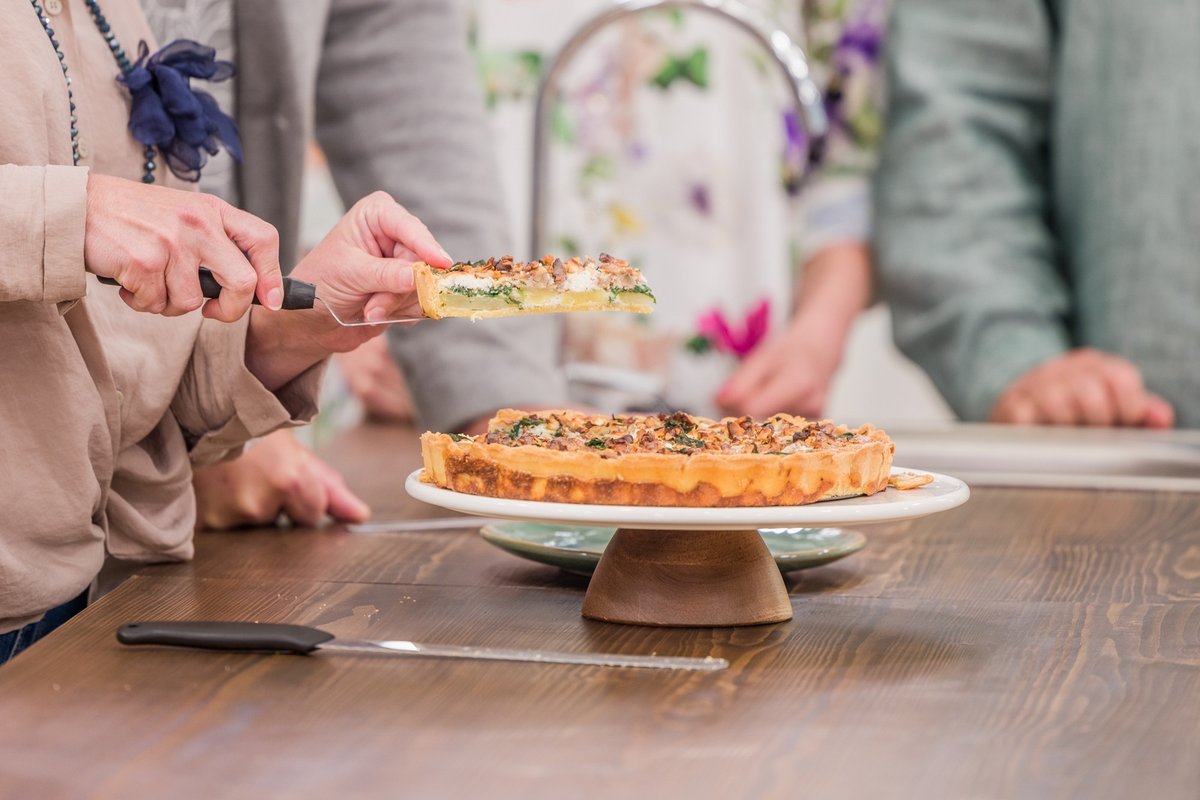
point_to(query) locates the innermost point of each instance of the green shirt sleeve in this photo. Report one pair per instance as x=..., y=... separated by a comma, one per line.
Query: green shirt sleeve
x=965, y=247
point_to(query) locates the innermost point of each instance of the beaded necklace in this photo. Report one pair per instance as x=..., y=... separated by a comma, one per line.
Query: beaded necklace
x=122, y=61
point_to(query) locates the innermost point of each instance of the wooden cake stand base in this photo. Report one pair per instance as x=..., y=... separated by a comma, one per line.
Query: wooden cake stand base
x=696, y=579
x=696, y=567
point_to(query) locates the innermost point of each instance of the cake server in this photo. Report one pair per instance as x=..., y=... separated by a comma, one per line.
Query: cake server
x=297, y=296
x=259, y=637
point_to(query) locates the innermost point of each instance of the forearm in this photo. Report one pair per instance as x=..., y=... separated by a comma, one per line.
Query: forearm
x=834, y=289
x=225, y=398
x=280, y=345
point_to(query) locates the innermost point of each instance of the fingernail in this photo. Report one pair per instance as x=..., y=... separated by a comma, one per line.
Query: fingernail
x=446, y=256
x=375, y=315
x=275, y=299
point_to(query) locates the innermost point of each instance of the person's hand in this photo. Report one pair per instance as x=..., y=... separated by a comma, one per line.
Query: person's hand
x=1083, y=387
x=278, y=475
x=377, y=382
x=362, y=269
x=153, y=240
x=789, y=373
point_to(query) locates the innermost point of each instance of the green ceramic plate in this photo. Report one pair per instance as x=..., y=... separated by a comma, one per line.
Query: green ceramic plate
x=578, y=549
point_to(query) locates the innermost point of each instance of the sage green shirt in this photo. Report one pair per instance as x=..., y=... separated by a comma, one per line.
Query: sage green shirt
x=1040, y=190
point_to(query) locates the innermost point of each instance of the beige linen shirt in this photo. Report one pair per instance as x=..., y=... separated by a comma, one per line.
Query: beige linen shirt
x=104, y=411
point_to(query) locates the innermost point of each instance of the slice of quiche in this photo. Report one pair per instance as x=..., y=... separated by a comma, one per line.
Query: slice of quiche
x=662, y=460
x=502, y=287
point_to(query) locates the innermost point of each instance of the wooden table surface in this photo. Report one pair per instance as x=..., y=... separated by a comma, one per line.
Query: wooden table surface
x=1033, y=643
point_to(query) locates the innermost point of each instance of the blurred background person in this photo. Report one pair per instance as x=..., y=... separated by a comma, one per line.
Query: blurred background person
x=793, y=369
x=386, y=87
x=670, y=145
x=1038, y=219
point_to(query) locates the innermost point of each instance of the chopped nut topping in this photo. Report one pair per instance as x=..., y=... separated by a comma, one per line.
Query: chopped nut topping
x=605, y=273
x=678, y=433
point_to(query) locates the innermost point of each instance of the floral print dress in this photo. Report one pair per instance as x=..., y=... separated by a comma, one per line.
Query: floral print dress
x=673, y=146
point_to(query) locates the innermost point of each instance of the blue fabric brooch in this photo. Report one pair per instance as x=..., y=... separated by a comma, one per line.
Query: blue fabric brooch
x=185, y=124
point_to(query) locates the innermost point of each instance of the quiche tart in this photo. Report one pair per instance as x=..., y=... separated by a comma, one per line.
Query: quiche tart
x=661, y=460
x=503, y=287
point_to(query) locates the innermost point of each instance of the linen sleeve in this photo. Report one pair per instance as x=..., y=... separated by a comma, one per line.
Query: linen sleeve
x=399, y=108
x=220, y=404
x=966, y=253
x=41, y=233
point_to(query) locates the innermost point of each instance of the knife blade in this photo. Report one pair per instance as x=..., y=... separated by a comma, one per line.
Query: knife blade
x=428, y=524
x=260, y=637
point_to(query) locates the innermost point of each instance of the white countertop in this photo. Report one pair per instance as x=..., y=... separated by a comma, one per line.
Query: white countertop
x=1003, y=455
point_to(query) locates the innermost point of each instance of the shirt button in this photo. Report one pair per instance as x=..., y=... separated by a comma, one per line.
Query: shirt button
x=54, y=7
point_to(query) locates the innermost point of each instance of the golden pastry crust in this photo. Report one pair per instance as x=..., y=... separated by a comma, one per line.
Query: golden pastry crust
x=427, y=292
x=909, y=480
x=506, y=287
x=714, y=466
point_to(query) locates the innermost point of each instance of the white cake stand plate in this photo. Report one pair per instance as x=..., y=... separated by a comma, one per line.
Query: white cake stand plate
x=697, y=567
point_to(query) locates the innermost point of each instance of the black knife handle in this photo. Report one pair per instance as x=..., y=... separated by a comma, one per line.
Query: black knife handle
x=242, y=637
x=297, y=294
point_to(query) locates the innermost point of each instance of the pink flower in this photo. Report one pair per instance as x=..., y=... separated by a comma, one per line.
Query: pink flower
x=741, y=341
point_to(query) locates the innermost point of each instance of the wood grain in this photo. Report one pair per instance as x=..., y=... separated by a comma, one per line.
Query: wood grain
x=856, y=697
x=1072, y=545
x=1041, y=644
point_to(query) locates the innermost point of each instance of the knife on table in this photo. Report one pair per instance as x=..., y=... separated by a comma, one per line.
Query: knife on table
x=259, y=637
x=297, y=296
x=426, y=524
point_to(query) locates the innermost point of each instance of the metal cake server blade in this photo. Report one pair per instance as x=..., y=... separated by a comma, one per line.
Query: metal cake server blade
x=259, y=637
x=362, y=323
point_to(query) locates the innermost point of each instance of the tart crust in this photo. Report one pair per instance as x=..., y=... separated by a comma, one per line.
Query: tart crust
x=701, y=478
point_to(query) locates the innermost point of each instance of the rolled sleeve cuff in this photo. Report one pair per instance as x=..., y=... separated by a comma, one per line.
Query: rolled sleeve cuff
x=42, y=224
x=221, y=404
x=65, y=223
x=836, y=211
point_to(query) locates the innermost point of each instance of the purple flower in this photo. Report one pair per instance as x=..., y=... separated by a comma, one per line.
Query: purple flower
x=185, y=124
x=861, y=39
x=795, y=151
x=795, y=139
x=859, y=45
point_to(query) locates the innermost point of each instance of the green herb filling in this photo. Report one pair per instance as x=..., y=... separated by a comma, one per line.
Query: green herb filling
x=501, y=290
x=527, y=422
